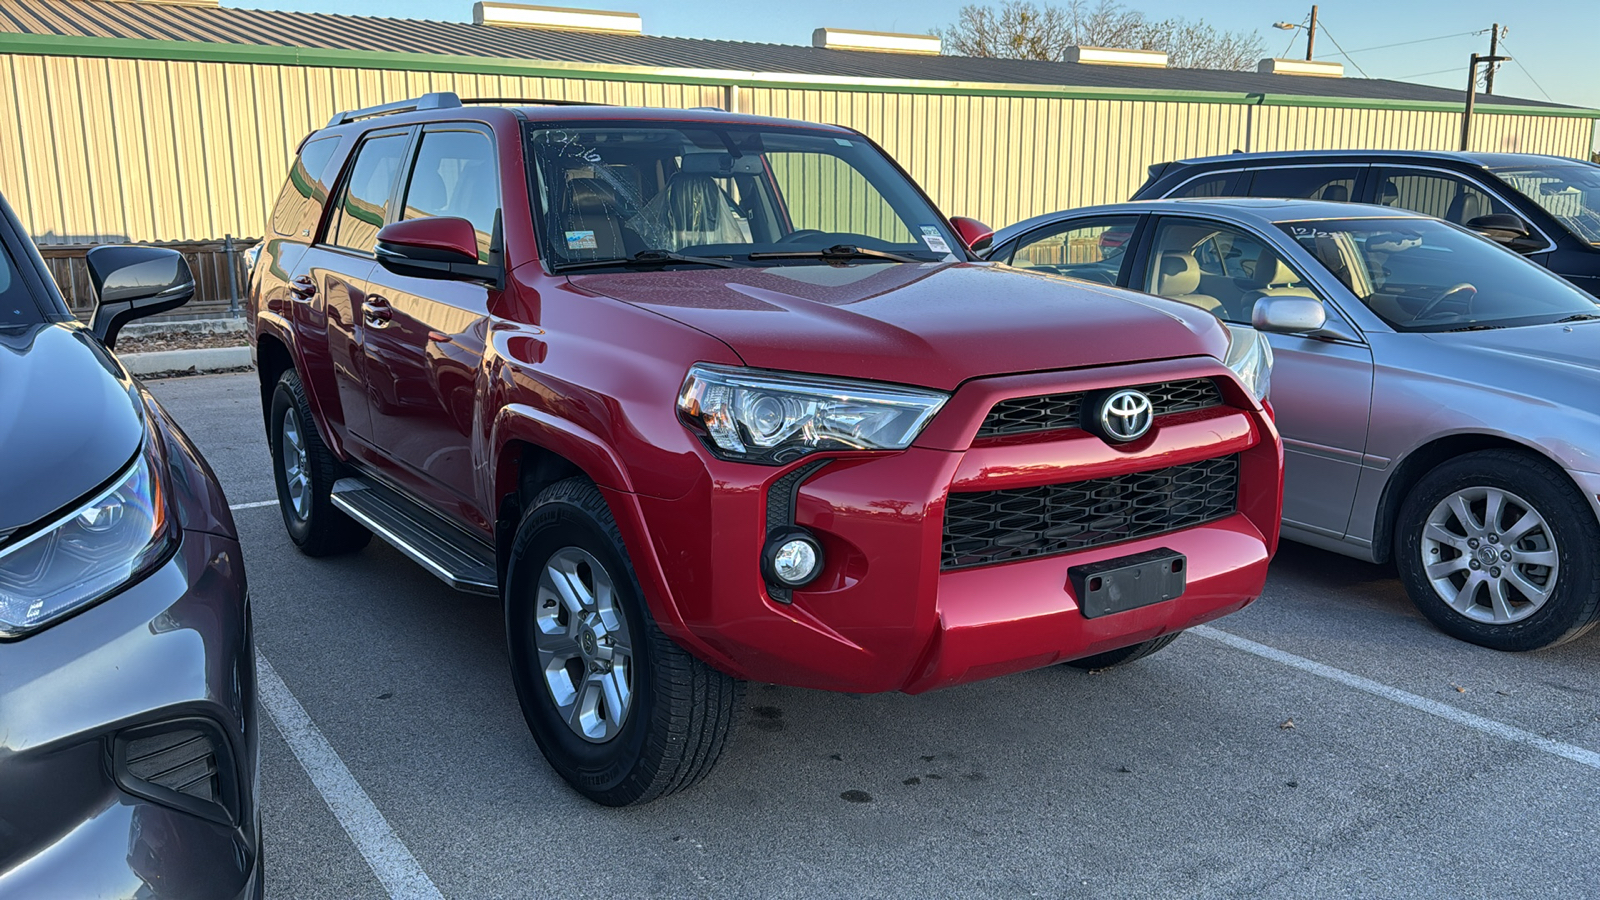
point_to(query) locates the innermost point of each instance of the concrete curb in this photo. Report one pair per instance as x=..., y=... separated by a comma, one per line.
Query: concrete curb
x=208, y=359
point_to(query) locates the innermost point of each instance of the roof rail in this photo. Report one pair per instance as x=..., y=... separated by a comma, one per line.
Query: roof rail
x=436, y=100
x=531, y=101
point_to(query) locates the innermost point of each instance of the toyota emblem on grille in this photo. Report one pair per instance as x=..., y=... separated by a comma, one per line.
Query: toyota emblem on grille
x=1125, y=415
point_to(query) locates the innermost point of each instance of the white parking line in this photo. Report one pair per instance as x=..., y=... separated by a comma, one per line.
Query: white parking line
x=259, y=503
x=383, y=850
x=1444, y=711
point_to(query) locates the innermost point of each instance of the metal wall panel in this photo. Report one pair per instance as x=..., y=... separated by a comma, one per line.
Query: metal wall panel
x=153, y=150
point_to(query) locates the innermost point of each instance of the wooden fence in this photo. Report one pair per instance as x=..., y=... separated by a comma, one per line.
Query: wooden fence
x=210, y=261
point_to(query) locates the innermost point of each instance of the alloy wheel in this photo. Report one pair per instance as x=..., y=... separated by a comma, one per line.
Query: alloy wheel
x=296, y=465
x=1490, y=555
x=585, y=650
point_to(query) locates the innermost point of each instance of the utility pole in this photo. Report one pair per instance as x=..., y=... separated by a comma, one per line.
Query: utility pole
x=1472, y=94
x=1311, y=34
x=1494, y=47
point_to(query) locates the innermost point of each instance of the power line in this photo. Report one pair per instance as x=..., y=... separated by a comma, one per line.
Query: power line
x=1409, y=43
x=1525, y=71
x=1425, y=74
x=1342, y=53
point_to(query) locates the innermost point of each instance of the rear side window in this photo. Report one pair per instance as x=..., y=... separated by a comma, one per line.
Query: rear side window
x=1219, y=185
x=1437, y=194
x=299, y=204
x=1336, y=183
x=455, y=175
x=363, y=205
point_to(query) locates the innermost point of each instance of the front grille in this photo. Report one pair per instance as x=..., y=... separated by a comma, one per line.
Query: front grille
x=1053, y=411
x=988, y=527
x=182, y=761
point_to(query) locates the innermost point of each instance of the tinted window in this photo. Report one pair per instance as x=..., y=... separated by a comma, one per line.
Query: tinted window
x=1208, y=186
x=1570, y=193
x=1218, y=268
x=364, y=201
x=1093, y=249
x=1316, y=182
x=301, y=199
x=1420, y=275
x=1436, y=194
x=455, y=175
x=17, y=306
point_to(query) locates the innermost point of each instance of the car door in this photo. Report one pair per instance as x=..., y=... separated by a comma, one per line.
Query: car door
x=1321, y=388
x=425, y=343
x=331, y=287
x=1090, y=248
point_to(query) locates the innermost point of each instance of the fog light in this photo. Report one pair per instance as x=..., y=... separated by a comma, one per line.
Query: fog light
x=791, y=558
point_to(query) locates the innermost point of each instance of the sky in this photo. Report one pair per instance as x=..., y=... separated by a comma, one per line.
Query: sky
x=1553, y=42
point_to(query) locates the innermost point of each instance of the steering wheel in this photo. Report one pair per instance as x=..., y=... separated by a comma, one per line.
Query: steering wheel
x=1465, y=291
x=800, y=235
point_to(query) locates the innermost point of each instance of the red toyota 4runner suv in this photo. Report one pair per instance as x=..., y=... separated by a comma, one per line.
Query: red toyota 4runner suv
x=708, y=397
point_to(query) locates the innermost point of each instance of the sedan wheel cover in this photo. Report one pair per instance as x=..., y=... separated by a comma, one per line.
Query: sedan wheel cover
x=296, y=471
x=1490, y=555
x=585, y=650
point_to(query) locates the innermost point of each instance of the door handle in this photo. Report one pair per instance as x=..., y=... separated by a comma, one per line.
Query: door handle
x=377, y=312
x=302, y=288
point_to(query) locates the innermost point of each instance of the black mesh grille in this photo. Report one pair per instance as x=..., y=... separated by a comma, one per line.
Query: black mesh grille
x=999, y=526
x=181, y=761
x=1053, y=411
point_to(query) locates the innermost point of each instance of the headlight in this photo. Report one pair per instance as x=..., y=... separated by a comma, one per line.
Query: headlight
x=775, y=417
x=1250, y=358
x=90, y=552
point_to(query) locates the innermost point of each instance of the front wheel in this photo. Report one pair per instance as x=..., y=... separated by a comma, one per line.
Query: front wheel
x=621, y=712
x=1497, y=548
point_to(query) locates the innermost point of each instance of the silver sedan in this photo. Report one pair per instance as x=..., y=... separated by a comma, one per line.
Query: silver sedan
x=1439, y=396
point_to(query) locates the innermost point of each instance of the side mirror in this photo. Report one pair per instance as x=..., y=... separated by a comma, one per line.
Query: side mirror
x=434, y=247
x=1506, y=230
x=1289, y=315
x=973, y=233
x=131, y=282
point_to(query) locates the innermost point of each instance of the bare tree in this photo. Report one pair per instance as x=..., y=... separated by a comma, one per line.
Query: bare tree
x=1021, y=29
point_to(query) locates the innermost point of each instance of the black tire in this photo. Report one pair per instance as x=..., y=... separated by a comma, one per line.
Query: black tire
x=1573, y=604
x=1113, y=658
x=681, y=711
x=315, y=525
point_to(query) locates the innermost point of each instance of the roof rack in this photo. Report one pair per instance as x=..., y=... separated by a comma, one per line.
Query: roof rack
x=531, y=101
x=436, y=100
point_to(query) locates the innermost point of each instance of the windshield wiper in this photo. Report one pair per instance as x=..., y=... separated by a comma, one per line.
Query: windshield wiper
x=1579, y=317
x=647, y=258
x=1476, y=328
x=840, y=252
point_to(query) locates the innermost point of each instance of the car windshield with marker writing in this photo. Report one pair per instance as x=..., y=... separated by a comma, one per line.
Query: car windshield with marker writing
x=1427, y=275
x=640, y=196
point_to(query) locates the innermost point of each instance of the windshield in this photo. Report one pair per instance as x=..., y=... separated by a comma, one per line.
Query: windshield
x=1570, y=193
x=613, y=191
x=17, y=306
x=1426, y=275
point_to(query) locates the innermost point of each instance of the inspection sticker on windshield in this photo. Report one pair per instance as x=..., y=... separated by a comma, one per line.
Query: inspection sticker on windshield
x=581, y=240
x=934, y=240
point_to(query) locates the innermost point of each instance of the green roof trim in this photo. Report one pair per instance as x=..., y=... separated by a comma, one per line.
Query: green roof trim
x=258, y=54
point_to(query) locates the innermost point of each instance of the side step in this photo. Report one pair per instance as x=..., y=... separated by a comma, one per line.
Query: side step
x=460, y=559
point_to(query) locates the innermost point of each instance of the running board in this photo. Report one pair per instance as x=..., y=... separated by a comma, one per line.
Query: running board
x=459, y=559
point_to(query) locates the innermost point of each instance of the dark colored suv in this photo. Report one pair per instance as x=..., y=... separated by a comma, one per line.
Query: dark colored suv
x=127, y=672
x=706, y=397
x=1544, y=207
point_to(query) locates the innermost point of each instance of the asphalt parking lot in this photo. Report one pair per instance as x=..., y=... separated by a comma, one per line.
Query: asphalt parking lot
x=1325, y=742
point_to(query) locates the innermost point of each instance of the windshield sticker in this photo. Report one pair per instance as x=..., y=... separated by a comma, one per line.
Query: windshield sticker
x=842, y=142
x=934, y=240
x=581, y=240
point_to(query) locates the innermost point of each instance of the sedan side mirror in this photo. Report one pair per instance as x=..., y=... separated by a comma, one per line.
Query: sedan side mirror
x=1289, y=315
x=131, y=282
x=1508, y=231
x=435, y=247
x=973, y=233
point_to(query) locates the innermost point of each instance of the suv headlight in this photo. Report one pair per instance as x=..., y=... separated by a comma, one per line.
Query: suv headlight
x=775, y=417
x=90, y=552
x=1250, y=358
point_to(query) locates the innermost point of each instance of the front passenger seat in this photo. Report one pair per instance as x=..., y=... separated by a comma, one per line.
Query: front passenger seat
x=1178, y=277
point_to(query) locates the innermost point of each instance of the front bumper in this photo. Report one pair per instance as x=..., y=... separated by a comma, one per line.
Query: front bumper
x=175, y=647
x=885, y=614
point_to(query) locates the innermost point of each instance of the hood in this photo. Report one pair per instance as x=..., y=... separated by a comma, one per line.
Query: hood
x=68, y=421
x=934, y=325
x=1566, y=351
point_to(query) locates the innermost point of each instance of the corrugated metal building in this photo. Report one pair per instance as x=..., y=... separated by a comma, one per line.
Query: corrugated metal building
x=132, y=120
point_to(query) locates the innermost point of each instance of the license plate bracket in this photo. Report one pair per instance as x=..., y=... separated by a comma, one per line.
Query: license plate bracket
x=1128, y=582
